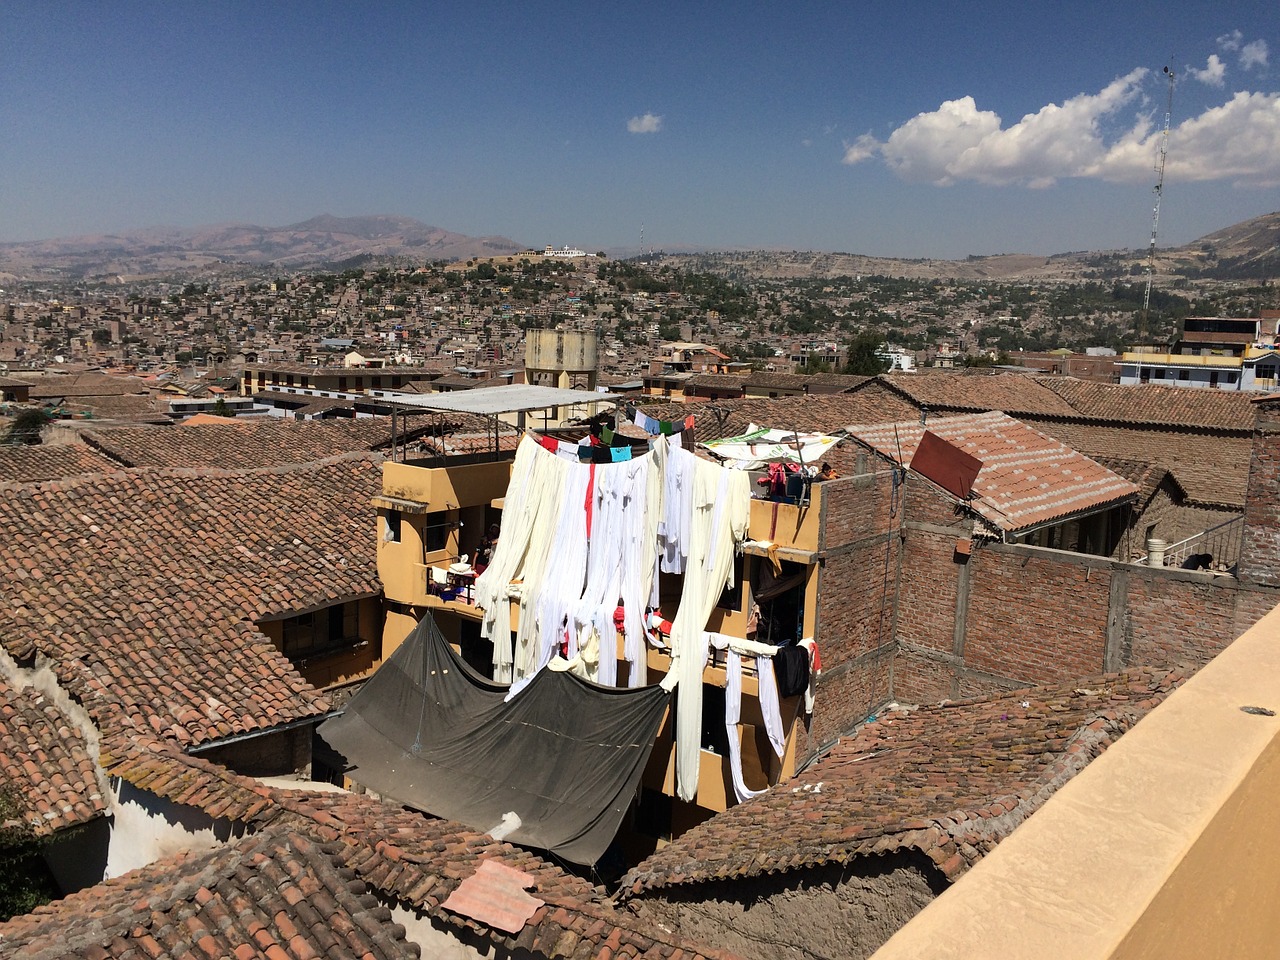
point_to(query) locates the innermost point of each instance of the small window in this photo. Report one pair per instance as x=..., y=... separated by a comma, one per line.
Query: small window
x=392, y=534
x=435, y=533
x=1184, y=374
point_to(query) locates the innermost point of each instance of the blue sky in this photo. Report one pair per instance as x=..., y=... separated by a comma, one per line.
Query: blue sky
x=891, y=129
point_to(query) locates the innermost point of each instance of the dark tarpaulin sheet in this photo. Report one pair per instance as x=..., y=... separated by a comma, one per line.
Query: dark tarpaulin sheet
x=565, y=755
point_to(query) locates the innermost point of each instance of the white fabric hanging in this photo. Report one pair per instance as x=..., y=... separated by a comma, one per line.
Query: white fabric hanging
x=770, y=705
x=719, y=502
x=732, y=715
x=770, y=708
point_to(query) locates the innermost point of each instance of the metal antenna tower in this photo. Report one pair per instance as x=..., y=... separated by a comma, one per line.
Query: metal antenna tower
x=1161, y=154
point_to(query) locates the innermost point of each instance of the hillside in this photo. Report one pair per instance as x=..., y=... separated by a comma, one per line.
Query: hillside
x=1244, y=251
x=321, y=240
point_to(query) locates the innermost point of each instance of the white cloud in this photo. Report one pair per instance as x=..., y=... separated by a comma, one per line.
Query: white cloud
x=1254, y=54
x=647, y=123
x=1214, y=71
x=864, y=148
x=1237, y=141
x=1230, y=42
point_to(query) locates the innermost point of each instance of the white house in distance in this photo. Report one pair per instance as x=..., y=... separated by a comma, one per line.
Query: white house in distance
x=563, y=253
x=1225, y=353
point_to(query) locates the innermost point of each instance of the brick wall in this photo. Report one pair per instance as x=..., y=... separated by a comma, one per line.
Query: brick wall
x=1260, y=556
x=902, y=615
x=1034, y=615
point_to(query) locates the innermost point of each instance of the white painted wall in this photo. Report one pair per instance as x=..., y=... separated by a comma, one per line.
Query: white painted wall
x=147, y=828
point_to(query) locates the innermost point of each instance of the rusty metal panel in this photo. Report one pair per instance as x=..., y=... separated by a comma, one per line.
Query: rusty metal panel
x=946, y=465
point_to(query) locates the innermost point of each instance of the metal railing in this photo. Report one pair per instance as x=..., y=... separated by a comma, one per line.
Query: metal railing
x=1221, y=542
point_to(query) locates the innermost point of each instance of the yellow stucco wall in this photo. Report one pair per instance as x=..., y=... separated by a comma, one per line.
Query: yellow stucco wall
x=1164, y=847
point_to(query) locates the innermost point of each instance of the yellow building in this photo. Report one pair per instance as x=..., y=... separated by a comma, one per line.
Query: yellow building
x=432, y=517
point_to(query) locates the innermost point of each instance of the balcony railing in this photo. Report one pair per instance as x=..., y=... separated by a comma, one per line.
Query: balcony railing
x=1221, y=542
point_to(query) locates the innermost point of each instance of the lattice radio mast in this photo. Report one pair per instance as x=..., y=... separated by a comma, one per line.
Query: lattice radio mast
x=1161, y=154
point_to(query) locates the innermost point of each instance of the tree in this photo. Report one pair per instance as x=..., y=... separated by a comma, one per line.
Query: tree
x=27, y=427
x=25, y=881
x=864, y=356
x=220, y=409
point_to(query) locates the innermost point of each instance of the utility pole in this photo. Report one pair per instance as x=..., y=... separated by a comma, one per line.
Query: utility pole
x=1161, y=154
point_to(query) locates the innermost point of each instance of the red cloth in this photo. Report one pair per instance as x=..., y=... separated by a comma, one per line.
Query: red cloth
x=591, y=495
x=549, y=443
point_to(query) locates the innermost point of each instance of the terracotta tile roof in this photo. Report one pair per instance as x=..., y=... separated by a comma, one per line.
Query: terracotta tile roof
x=1202, y=435
x=27, y=463
x=719, y=381
x=260, y=443
x=1026, y=479
x=1180, y=406
x=1213, y=468
x=45, y=761
x=56, y=386
x=143, y=586
x=764, y=379
x=277, y=894
x=127, y=407
x=833, y=382
x=950, y=781
x=407, y=856
x=1011, y=393
x=1024, y=396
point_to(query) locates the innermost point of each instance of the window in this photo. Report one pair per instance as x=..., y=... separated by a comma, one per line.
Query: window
x=392, y=534
x=321, y=631
x=1184, y=374
x=1213, y=378
x=435, y=533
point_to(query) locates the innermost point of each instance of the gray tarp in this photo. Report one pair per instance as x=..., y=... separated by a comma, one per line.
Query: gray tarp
x=565, y=755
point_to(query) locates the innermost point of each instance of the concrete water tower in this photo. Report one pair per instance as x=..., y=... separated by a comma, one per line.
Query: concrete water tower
x=561, y=358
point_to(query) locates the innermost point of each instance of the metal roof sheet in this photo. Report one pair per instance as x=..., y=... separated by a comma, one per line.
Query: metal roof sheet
x=488, y=401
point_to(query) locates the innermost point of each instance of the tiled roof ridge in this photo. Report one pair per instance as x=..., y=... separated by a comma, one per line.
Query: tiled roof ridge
x=128, y=470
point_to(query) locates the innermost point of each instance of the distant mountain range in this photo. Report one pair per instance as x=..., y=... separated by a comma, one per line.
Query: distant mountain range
x=1245, y=251
x=322, y=240
x=1248, y=250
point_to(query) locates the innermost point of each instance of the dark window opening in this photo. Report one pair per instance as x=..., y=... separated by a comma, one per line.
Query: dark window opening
x=393, y=526
x=321, y=631
x=435, y=533
x=477, y=652
x=653, y=814
x=731, y=597
x=780, y=596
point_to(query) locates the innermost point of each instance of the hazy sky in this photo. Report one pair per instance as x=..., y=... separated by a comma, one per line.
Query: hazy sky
x=902, y=129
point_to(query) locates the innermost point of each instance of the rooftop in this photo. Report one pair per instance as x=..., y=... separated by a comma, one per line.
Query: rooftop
x=22, y=463
x=46, y=762
x=143, y=586
x=1026, y=478
x=950, y=781
x=489, y=401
